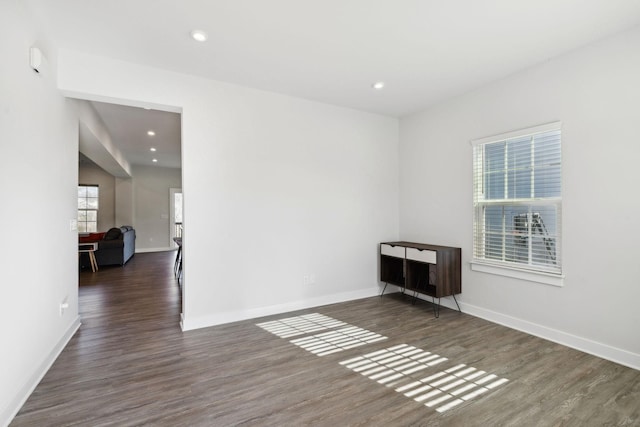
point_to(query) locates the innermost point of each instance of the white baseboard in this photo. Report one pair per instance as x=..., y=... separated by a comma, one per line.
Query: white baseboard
x=188, y=324
x=617, y=355
x=10, y=411
x=163, y=249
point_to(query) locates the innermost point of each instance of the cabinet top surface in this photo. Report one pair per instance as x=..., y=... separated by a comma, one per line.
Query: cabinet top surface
x=420, y=246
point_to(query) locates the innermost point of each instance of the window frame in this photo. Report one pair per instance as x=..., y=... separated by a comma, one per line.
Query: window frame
x=525, y=271
x=79, y=209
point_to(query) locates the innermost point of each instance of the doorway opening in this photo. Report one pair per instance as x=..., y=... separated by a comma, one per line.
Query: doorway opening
x=137, y=152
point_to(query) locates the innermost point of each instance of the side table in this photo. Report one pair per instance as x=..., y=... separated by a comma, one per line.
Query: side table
x=89, y=248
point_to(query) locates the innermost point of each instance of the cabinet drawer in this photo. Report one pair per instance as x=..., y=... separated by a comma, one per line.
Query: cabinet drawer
x=422, y=256
x=395, y=251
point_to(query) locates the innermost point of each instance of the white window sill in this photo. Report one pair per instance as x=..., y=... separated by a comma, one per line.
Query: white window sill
x=531, y=276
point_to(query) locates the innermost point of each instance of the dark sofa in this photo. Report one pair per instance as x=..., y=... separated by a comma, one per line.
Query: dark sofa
x=116, y=247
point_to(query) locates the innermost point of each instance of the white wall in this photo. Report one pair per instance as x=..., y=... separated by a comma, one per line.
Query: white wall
x=151, y=186
x=275, y=188
x=595, y=93
x=124, y=201
x=90, y=174
x=38, y=178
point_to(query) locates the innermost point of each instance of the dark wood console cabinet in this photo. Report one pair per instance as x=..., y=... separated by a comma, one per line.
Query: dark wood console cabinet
x=426, y=269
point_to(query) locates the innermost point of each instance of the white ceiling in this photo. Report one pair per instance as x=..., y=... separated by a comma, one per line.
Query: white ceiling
x=128, y=127
x=333, y=50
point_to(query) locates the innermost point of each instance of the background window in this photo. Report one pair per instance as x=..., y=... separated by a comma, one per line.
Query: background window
x=517, y=199
x=87, y=208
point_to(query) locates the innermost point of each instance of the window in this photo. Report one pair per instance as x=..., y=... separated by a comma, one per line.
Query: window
x=517, y=200
x=87, y=208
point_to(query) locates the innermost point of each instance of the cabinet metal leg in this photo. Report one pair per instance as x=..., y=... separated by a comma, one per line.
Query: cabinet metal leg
x=383, y=289
x=436, y=307
x=458, y=305
x=415, y=297
x=402, y=288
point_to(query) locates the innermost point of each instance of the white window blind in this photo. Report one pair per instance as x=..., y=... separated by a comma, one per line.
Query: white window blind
x=517, y=199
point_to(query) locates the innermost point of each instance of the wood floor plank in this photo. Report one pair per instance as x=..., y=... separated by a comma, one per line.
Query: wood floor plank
x=130, y=364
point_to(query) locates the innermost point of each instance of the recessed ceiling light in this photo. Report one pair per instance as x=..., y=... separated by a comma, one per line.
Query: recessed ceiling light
x=151, y=133
x=152, y=149
x=378, y=85
x=199, y=35
x=155, y=160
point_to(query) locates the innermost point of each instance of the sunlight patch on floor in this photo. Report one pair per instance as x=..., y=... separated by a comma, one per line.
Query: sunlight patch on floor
x=400, y=367
x=300, y=325
x=341, y=336
x=338, y=340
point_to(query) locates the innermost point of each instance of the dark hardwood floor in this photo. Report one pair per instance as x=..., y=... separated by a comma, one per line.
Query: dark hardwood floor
x=130, y=364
